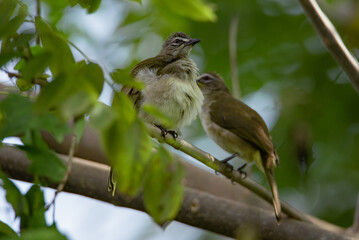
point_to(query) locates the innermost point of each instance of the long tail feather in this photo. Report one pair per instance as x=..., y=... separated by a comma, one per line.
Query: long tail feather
x=274, y=189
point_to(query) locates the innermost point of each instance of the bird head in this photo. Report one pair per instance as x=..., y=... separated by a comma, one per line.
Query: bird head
x=210, y=83
x=178, y=45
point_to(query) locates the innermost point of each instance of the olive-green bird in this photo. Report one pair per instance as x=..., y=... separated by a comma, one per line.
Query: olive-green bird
x=238, y=129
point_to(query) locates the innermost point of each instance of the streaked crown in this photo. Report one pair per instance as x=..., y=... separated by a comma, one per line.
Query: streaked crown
x=178, y=45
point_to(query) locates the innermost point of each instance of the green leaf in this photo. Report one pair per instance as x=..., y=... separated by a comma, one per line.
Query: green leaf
x=79, y=128
x=122, y=76
x=36, y=217
x=76, y=104
x=128, y=146
x=36, y=65
x=44, y=163
x=54, y=43
x=7, y=231
x=155, y=112
x=42, y=234
x=14, y=197
x=23, y=85
x=51, y=123
x=102, y=116
x=17, y=115
x=90, y=5
x=9, y=24
x=196, y=10
x=163, y=191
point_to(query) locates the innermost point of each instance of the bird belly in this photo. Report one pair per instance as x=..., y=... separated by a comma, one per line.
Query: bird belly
x=180, y=100
x=229, y=141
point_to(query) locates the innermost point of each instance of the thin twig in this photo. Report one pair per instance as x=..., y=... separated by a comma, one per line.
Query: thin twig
x=332, y=41
x=42, y=81
x=235, y=176
x=79, y=50
x=63, y=182
x=38, y=14
x=233, y=55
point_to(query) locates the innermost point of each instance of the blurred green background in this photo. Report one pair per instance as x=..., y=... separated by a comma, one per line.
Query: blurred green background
x=285, y=73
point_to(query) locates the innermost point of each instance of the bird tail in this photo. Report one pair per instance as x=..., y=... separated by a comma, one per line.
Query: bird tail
x=274, y=189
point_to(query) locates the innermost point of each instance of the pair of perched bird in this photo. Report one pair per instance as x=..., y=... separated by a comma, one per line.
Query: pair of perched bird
x=173, y=86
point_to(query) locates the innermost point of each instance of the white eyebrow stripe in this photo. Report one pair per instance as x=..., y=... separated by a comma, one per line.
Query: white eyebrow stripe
x=181, y=38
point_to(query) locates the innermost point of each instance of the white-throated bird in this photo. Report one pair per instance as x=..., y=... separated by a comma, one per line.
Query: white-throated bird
x=238, y=129
x=170, y=86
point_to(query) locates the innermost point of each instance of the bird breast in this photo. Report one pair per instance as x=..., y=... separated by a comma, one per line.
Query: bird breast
x=226, y=139
x=176, y=95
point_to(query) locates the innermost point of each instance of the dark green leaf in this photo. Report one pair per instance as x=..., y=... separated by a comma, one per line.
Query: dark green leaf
x=76, y=104
x=8, y=24
x=17, y=115
x=7, y=231
x=14, y=197
x=90, y=5
x=36, y=217
x=44, y=163
x=51, y=123
x=36, y=65
x=163, y=191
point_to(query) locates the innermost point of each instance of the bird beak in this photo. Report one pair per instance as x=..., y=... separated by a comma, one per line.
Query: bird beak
x=192, y=42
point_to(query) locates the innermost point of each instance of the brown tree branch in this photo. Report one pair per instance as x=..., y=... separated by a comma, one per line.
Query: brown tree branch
x=199, y=209
x=332, y=41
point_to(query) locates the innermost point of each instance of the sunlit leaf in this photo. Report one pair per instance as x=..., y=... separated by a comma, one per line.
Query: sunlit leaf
x=156, y=113
x=128, y=146
x=122, y=76
x=6, y=231
x=44, y=163
x=55, y=44
x=163, y=191
x=42, y=234
x=197, y=10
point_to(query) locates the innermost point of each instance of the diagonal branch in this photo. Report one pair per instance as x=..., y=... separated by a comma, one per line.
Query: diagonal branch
x=332, y=41
x=199, y=209
x=235, y=176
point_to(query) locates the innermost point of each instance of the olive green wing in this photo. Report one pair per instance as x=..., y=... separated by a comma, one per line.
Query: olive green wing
x=243, y=121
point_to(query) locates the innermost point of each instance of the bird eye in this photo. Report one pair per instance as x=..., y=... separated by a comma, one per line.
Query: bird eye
x=206, y=77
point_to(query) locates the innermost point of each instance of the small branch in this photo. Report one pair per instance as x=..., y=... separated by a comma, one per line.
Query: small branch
x=38, y=14
x=233, y=56
x=332, y=41
x=64, y=180
x=235, y=176
x=42, y=81
x=198, y=209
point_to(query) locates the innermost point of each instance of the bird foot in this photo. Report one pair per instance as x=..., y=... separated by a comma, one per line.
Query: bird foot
x=164, y=132
x=173, y=133
x=241, y=172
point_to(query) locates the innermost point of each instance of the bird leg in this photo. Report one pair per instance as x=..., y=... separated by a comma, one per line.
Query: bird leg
x=227, y=159
x=163, y=130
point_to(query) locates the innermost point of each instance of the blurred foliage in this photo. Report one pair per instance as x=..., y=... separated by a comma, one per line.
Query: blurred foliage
x=279, y=53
